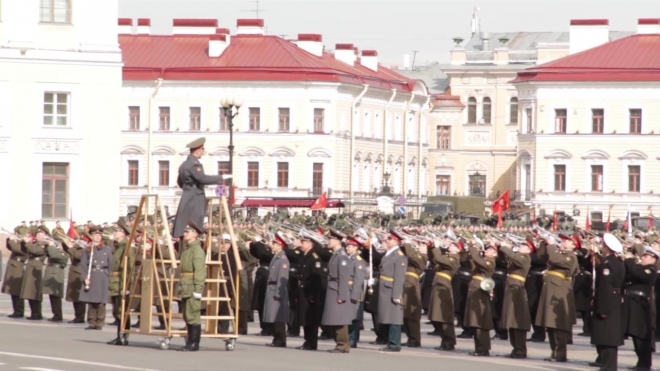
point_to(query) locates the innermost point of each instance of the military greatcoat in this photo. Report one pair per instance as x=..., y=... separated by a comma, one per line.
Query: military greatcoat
x=555, y=306
x=13, y=282
x=99, y=278
x=478, y=311
x=310, y=271
x=358, y=274
x=33, y=279
x=515, y=307
x=192, y=206
x=441, y=308
x=390, y=287
x=637, y=304
x=339, y=275
x=75, y=279
x=607, y=322
x=276, y=301
x=54, y=274
x=412, y=295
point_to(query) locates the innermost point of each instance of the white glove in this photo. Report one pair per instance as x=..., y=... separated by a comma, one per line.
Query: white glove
x=127, y=292
x=197, y=295
x=371, y=282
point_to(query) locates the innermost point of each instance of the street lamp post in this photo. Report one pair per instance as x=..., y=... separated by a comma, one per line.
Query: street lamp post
x=228, y=103
x=386, y=187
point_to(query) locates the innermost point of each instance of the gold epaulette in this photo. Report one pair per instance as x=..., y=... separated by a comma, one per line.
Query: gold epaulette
x=359, y=258
x=315, y=256
x=400, y=253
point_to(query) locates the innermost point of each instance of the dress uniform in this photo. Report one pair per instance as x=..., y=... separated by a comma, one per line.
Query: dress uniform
x=53, y=283
x=554, y=309
x=515, y=314
x=13, y=280
x=276, y=300
x=373, y=257
x=309, y=276
x=116, y=290
x=637, y=305
x=534, y=285
x=192, y=180
x=390, y=289
x=607, y=334
x=441, y=308
x=337, y=311
x=359, y=275
x=478, y=310
x=99, y=258
x=460, y=285
x=412, y=295
x=75, y=282
x=264, y=255
x=583, y=286
x=191, y=284
x=33, y=278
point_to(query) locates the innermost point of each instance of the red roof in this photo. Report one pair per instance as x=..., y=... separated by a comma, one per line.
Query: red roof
x=632, y=58
x=287, y=203
x=247, y=58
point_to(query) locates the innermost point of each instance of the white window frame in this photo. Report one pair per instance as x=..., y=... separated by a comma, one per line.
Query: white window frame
x=69, y=11
x=55, y=115
x=244, y=172
x=133, y=157
x=510, y=96
x=525, y=105
x=522, y=186
x=448, y=173
x=144, y=111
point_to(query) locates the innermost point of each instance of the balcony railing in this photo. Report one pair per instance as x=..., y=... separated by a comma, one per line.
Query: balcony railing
x=525, y=195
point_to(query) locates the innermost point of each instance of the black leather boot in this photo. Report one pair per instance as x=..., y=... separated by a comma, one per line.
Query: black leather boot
x=196, y=335
x=189, y=340
x=119, y=339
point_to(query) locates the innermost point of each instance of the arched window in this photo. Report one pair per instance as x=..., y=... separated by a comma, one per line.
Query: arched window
x=513, y=109
x=486, y=110
x=472, y=110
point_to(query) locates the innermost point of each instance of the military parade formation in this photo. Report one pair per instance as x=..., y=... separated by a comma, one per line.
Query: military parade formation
x=321, y=274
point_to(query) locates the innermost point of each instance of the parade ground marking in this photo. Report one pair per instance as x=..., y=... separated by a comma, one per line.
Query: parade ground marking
x=70, y=360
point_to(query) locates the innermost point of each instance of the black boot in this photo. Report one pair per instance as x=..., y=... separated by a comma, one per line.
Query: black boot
x=197, y=335
x=189, y=339
x=120, y=339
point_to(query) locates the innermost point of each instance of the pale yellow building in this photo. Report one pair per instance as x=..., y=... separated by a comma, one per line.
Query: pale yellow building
x=589, y=140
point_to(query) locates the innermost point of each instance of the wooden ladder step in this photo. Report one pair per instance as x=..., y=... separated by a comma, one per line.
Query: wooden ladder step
x=216, y=280
x=210, y=298
x=219, y=317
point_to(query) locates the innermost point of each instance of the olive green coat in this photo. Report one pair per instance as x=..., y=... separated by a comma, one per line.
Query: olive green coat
x=13, y=282
x=478, y=311
x=75, y=280
x=411, y=299
x=32, y=281
x=54, y=275
x=515, y=307
x=193, y=260
x=117, y=271
x=555, y=305
x=441, y=308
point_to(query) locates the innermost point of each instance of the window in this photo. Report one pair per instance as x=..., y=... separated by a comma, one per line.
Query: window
x=133, y=172
x=224, y=122
x=596, y=178
x=597, y=121
x=477, y=184
x=319, y=114
x=530, y=120
x=317, y=179
x=485, y=110
x=56, y=109
x=472, y=110
x=55, y=11
x=164, y=115
x=253, y=174
x=282, y=174
x=442, y=185
x=634, y=178
x=560, y=121
x=164, y=173
x=255, y=118
x=513, y=111
x=560, y=178
x=596, y=216
x=55, y=190
x=134, y=118
x=223, y=169
x=284, y=119
x=195, y=118
x=444, y=137
x=635, y=121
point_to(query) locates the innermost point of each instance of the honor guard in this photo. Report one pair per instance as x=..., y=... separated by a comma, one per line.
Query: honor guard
x=390, y=290
x=515, y=313
x=338, y=311
x=53, y=283
x=191, y=284
x=96, y=265
x=75, y=280
x=478, y=312
x=13, y=280
x=441, y=309
x=33, y=278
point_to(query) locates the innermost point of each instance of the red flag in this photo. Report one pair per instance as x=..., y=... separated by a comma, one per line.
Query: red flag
x=320, y=203
x=502, y=203
x=555, y=221
x=626, y=223
x=499, y=219
x=607, y=225
x=72, y=231
x=587, y=224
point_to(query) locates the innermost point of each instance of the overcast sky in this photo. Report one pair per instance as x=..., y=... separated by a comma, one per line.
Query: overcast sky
x=394, y=28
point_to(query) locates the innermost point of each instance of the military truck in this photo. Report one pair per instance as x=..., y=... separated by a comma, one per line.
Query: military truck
x=471, y=205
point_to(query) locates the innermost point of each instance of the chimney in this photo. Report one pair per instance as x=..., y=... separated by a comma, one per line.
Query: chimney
x=144, y=26
x=345, y=53
x=370, y=59
x=485, y=41
x=588, y=33
x=648, y=26
x=311, y=43
x=125, y=26
x=217, y=45
x=250, y=27
x=194, y=26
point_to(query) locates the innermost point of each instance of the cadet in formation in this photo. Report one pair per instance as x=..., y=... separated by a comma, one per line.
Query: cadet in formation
x=191, y=284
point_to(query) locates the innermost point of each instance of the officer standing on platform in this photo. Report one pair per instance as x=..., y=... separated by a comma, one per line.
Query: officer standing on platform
x=390, y=290
x=337, y=311
x=191, y=284
x=607, y=334
x=192, y=180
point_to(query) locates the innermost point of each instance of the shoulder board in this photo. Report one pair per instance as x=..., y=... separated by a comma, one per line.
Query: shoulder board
x=359, y=258
x=297, y=251
x=399, y=252
x=315, y=256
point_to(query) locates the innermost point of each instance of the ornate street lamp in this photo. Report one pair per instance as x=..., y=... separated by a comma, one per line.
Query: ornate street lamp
x=386, y=188
x=228, y=103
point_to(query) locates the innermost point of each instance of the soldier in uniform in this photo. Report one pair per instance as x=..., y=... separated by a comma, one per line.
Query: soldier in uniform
x=264, y=255
x=310, y=273
x=441, y=309
x=53, y=283
x=191, y=284
x=33, y=278
x=478, y=311
x=583, y=286
x=390, y=289
x=460, y=284
x=607, y=334
x=358, y=275
x=412, y=295
x=13, y=281
x=515, y=313
x=534, y=285
x=337, y=311
x=276, y=300
x=75, y=281
x=116, y=290
x=554, y=309
x=192, y=180
x=637, y=304
x=97, y=280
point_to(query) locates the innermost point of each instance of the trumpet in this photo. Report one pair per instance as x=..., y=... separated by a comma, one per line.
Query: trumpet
x=14, y=234
x=547, y=234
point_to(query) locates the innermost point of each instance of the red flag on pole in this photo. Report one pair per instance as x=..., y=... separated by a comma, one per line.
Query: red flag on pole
x=320, y=203
x=72, y=231
x=503, y=203
x=587, y=224
x=499, y=219
x=607, y=225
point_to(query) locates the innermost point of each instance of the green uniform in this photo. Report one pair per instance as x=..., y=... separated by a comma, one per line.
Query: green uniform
x=193, y=277
x=116, y=276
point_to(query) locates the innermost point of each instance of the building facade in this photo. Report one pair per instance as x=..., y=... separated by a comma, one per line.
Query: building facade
x=475, y=124
x=60, y=95
x=589, y=142
x=311, y=121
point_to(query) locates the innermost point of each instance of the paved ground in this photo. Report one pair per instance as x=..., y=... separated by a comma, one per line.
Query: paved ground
x=43, y=346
